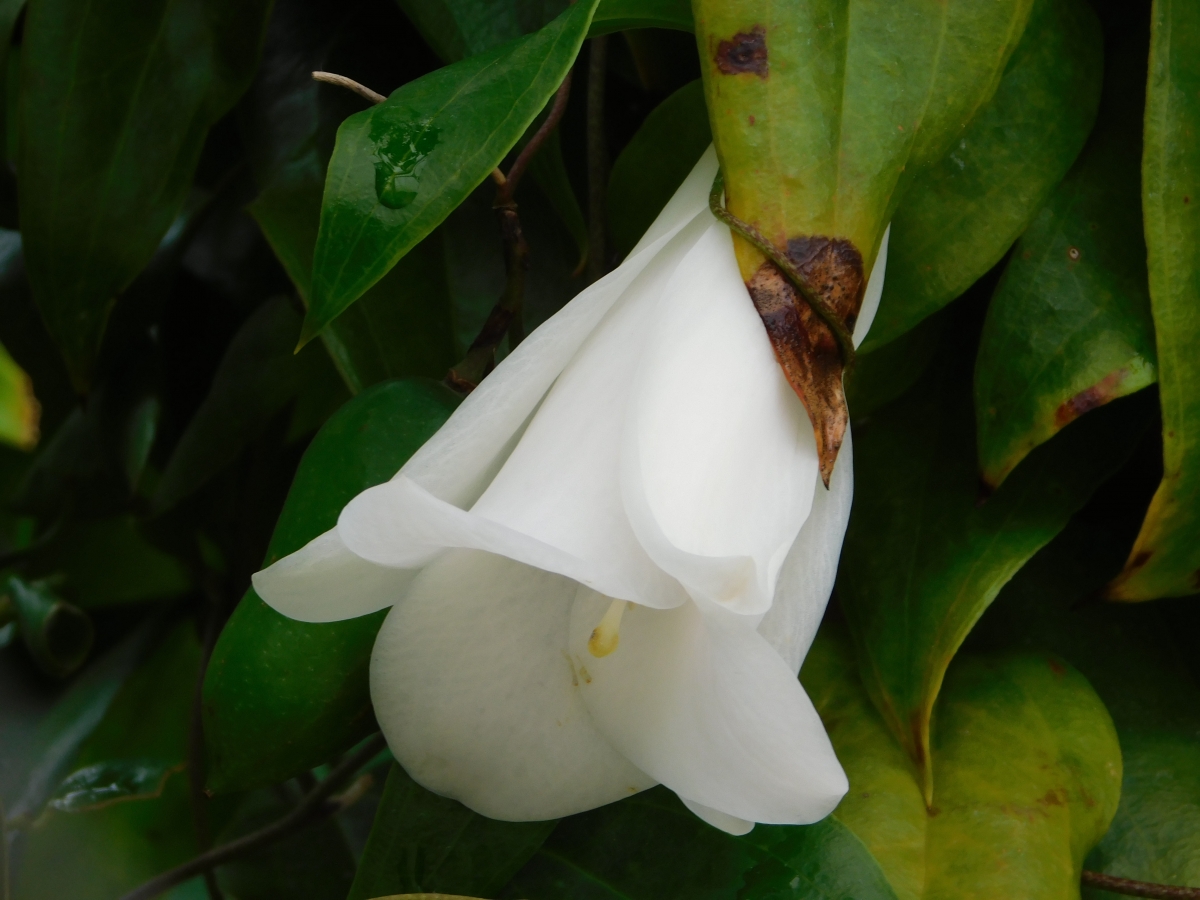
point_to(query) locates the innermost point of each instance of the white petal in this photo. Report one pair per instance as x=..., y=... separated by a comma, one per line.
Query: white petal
x=717, y=819
x=701, y=702
x=807, y=577
x=720, y=462
x=457, y=463
x=324, y=582
x=874, y=291
x=561, y=483
x=475, y=692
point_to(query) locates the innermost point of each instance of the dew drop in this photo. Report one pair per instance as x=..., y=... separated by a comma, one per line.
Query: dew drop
x=400, y=155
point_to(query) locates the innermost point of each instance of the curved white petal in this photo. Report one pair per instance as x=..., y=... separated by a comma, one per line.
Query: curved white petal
x=807, y=577
x=717, y=819
x=701, y=702
x=457, y=463
x=324, y=582
x=720, y=462
x=874, y=291
x=475, y=692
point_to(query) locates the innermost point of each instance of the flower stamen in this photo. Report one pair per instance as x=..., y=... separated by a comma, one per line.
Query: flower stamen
x=607, y=634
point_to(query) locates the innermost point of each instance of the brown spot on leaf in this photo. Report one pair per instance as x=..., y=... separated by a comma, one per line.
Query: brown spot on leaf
x=1089, y=398
x=1140, y=560
x=805, y=346
x=751, y=120
x=1053, y=798
x=1057, y=668
x=744, y=54
x=1195, y=579
x=934, y=811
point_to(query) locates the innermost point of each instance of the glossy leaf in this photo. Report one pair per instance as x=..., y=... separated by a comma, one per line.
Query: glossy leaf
x=1132, y=658
x=1028, y=772
x=650, y=847
x=399, y=168
x=655, y=162
x=258, y=378
x=401, y=326
x=924, y=557
x=116, y=101
x=282, y=696
x=1165, y=560
x=19, y=411
x=422, y=842
x=101, y=784
x=962, y=214
x=115, y=847
x=1069, y=326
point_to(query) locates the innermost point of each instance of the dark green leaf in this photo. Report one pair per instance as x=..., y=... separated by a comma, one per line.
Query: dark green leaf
x=1069, y=326
x=116, y=846
x=116, y=100
x=923, y=557
x=650, y=847
x=101, y=784
x=1165, y=560
x=1027, y=770
x=1130, y=655
x=399, y=168
x=421, y=842
x=314, y=864
x=960, y=216
x=622, y=15
x=282, y=696
x=879, y=378
x=655, y=162
x=259, y=376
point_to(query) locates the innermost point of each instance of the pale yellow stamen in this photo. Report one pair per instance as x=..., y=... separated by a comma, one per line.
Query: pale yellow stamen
x=607, y=634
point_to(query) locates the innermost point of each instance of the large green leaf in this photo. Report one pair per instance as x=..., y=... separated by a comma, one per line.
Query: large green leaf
x=401, y=326
x=259, y=377
x=399, y=168
x=1028, y=776
x=424, y=843
x=655, y=162
x=1165, y=560
x=1131, y=657
x=116, y=100
x=923, y=557
x=114, y=847
x=282, y=696
x=622, y=15
x=1069, y=326
x=650, y=847
x=962, y=214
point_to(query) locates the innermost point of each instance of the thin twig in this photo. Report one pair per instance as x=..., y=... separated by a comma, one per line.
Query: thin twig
x=349, y=84
x=1131, y=888
x=597, y=157
x=756, y=238
x=313, y=807
x=521, y=163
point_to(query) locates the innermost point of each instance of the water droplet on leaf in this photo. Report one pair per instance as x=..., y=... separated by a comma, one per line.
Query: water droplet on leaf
x=400, y=154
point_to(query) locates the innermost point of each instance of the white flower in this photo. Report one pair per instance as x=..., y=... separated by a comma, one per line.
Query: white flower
x=606, y=568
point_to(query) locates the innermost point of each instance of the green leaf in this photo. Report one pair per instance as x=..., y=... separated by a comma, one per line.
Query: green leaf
x=115, y=847
x=107, y=562
x=924, y=558
x=314, y=864
x=258, y=377
x=75, y=716
x=282, y=696
x=116, y=101
x=813, y=140
x=399, y=168
x=1069, y=326
x=622, y=15
x=961, y=215
x=422, y=842
x=401, y=326
x=1028, y=774
x=101, y=784
x=655, y=162
x=1130, y=655
x=19, y=411
x=879, y=378
x=650, y=847
x=1165, y=558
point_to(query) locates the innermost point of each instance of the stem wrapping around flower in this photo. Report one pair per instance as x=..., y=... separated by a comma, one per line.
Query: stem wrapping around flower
x=757, y=239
